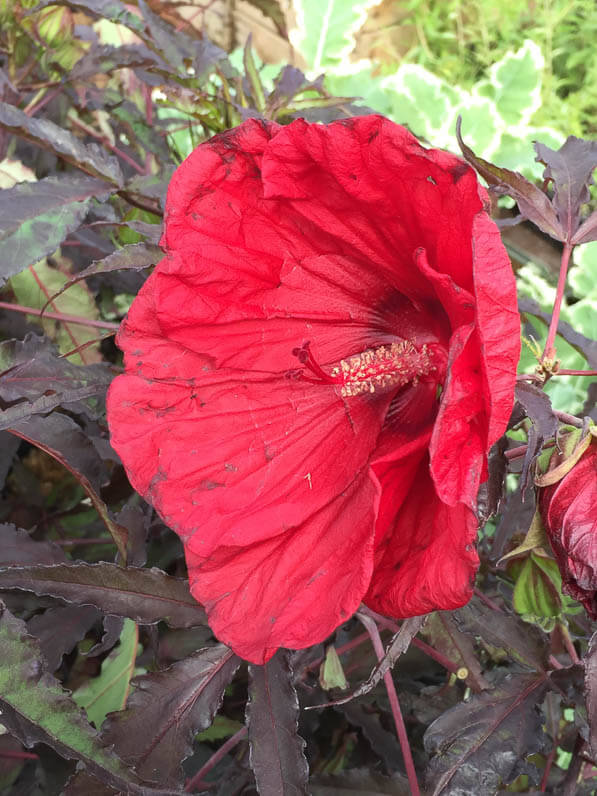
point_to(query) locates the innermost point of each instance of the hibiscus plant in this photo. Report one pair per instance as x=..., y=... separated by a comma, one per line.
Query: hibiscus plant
x=285, y=508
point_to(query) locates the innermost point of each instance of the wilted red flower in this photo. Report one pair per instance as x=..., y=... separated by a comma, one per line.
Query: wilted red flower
x=314, y=375
x=569, y=513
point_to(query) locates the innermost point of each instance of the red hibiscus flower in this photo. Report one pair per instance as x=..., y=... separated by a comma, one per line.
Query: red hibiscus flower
x=314, y=375
x=568, y=512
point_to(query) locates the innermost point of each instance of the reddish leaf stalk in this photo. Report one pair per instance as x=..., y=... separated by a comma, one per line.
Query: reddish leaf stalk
x=59, y=316
x=18, y=755
x=388, y=624
x=565, y=372
x=373, y=630
x=548, y=765
x=549, y=350
x=487, y=600
x=44, y=290
x=108, y=144
x=196, y=781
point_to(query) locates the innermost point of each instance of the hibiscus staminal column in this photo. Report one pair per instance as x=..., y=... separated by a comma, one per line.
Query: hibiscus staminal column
x=301, y=492
x=375, y=370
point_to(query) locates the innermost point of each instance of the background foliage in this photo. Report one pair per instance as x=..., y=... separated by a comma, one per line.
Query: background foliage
x=110, y=680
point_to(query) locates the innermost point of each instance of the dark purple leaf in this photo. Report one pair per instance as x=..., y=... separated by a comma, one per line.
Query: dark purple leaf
x=154, y=733
x=90, y=158
x=153, y=186
x=531, y=201
x=17, y=548
x=515, y=520
x=276, y=748
x=59, y=629
x=590, y=662
x=442, y=633
x=492, y=491
x=485, y=741
x=544, y=425
x=34, y=379
x=64, y=440
x=584, y=345
x=134, y=257
x=8, y=447
x=521, y=640
x=113, y=626
x=384, y=744
x=587, y=230
x=36, y=709
x=355, y=781
x=145, y=595
x=82, y=783
x=35, y=218
x=570, y=168
x=106, y=59
x=113, y=10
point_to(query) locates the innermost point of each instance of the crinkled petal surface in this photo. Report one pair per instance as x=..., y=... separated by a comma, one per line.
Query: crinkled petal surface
x=570, y=518
x=294, y=256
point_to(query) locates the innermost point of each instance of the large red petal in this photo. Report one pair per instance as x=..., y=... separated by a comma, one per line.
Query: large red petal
x=295, y=589
x=428, y=560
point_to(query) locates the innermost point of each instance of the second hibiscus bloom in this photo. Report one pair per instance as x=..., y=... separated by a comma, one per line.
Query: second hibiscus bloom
x=315, y=374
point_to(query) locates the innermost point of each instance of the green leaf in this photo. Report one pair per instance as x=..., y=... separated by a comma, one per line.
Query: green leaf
x=109, y=691
x=331, y=673
x=537, y=595
x=36, y=709
x=325, y=29
x=222, y=727
x=40, y=286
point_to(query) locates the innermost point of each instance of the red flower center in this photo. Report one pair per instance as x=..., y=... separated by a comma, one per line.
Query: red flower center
x=375, y=370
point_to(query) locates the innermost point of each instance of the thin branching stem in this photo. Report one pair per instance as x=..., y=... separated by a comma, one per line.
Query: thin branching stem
x=373, y=630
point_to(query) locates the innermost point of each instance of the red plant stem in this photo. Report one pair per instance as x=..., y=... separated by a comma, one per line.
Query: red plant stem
x=59, y=316
x=554, y=662
x=548, y=765
x=488, y=601
x=564, y=372
x=83, y=346
x=196, y=781
x=388, y=624
x=549, y=350
x=44, y=290
x=373, y=631
x=516, y=453
x=19, y=755
x=107, y=143
x=30, y=111
x=571, y=420
x=355, y=642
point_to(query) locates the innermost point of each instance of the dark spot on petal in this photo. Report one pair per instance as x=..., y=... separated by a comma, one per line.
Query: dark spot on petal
x=231, y=468
x=458, y=171
x=269, y=453
x=207, y=484
x=373, y=136
x=353, y=176
x=431, y=180
x=272, y=619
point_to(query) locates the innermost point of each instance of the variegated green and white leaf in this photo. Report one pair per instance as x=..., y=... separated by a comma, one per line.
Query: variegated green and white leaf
x=325, y=29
